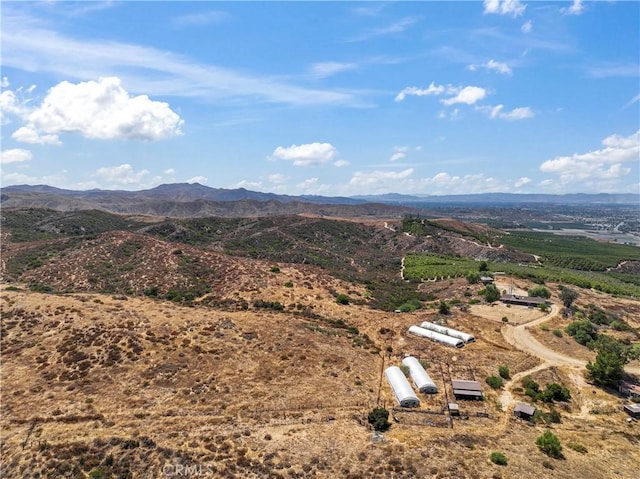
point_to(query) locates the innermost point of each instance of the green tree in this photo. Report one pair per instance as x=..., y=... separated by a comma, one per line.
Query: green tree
x=608, y=367
x=483, y=266
x=473, y=278
x=443, y=308
x=540, y=292
x=491, y=293
x=549, y=444
x=379, y=419
x=504, y=372
x=495, y=382
x=582, y=331
x=568, y=296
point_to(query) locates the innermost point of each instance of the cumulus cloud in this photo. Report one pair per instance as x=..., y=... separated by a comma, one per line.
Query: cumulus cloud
x=309, y=154
x=327, y=69
x=198, y=179
x=121, y=175
x=26, y=134
x=575, y=9
x=15, y=155
x=169, y=171
x=341, y=163
x=432, y=89
x=522, y=181
x=103, y=110
x=400, y=152
x=504, y=7
x=4, y=83
x=492, y=65
x=516, y=114
x=468, y=95
x=527, y=26
x=599, y=167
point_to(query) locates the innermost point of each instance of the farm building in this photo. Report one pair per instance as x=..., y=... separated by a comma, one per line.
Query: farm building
x=633, y=410
x=401, y=387
x=463, y=389
x=629, y=389
x=435, y=336
x=486, y=279
x=532, y=301
x=454, y=333
x=420, y=377
x=454, y=410
x=524, y=411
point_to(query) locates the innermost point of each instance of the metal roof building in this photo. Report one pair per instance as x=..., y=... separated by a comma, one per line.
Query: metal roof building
x=401, y=387
x=522, y=300
x=524, y=411
x=463, y=389
x=420, y=377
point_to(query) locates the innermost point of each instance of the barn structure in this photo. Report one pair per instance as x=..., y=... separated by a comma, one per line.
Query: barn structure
x=420, y=377
x=531, y=301
x=454, y=333
x=631, y=390
x=435, y=336
x=463, y=389
x=524, y=411
x=401, y=387
x=633, y=410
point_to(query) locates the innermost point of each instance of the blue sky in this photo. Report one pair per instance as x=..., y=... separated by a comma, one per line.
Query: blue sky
x=328, y=98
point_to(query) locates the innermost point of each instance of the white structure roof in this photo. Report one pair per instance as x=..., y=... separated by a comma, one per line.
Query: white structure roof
x=454, y=333
x=401, y=387
x=420, y=377
x=441, y=338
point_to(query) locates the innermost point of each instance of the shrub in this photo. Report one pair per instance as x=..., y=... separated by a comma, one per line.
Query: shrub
x=473, y=278
x=504, y=372
x=582, y=331
x=557, y=333
x=549, y=443
x=498, y=458
x=443, y=308
x=495, y=382
x=342, y=299
x=379, y=419
x=405, y=369
x=288, y=284
x=540, y=292
x=275, y=269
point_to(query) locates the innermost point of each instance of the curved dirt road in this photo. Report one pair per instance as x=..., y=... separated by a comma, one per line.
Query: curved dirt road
x=520, y=338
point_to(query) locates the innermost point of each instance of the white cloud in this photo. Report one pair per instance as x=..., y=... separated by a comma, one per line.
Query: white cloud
x=522, y=181
x=26, y=134
x=607, y=70
x=246, y=184
x=516, y=114
x=527, y=26
x=327, y=69
x=504, y=7
x=4, y=83
x=598, y=168
x=121, y=175
x=10, y=104
x=28, y=46
x=396, y=27
x=398, y=155
x=634, y=100
x=309, y=154
x=198, y=179
x=468, y=95
x=278, y=178
x=15, y=155
x=341, y=163
x=376, y=179
x=575, y=9
x=492, y=65
x=103, y=110
x=169, y=171
x=432, y=89
x=211, y=17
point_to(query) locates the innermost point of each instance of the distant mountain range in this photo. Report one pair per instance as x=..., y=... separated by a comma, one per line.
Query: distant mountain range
x=194, y=199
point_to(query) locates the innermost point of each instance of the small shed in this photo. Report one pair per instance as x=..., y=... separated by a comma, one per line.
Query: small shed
x=486, y=279
x=633, y=410
x=630, y=389
x=524, y=411
x=464, y=389
x=454, y=410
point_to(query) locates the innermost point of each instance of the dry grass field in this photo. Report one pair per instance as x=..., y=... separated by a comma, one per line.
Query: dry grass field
x=97, y=385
